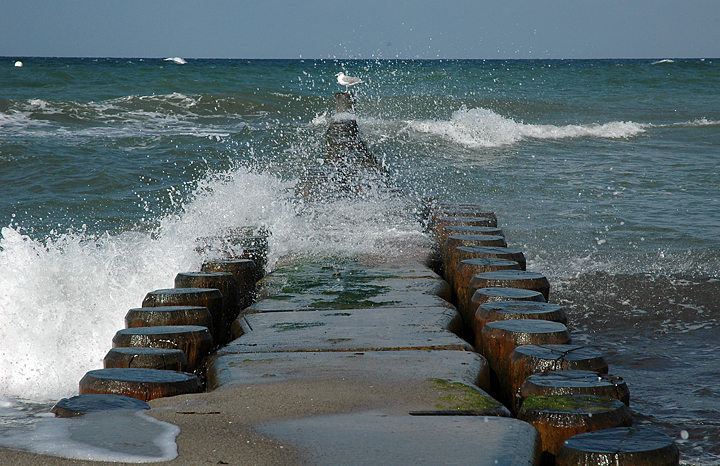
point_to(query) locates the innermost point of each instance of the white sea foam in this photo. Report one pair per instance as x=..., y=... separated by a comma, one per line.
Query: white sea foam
x=177, y=60
x=43, y=106
x=117, y=436
x=320, y=119
x=21, y=122
x=62, y=301
x=480, y=127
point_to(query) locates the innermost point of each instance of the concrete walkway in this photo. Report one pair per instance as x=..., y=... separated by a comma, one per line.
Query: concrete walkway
x=319, y=375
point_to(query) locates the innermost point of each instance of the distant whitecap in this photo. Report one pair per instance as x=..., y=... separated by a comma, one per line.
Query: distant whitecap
x=666, y=60
x=177, y=60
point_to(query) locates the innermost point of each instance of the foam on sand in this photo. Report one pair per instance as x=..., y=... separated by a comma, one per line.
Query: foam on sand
x=117, y=436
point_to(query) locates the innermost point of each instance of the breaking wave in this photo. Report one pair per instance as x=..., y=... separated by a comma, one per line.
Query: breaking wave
x=480, y=127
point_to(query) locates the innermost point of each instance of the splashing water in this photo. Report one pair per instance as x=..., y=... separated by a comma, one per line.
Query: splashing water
x=62, y=300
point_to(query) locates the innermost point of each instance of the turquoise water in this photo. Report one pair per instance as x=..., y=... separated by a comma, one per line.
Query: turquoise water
x=606, y=173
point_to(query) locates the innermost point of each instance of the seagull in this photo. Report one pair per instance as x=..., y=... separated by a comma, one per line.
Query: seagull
x=347, y=81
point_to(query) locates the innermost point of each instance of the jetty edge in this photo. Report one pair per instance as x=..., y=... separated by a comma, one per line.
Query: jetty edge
x=354, y=360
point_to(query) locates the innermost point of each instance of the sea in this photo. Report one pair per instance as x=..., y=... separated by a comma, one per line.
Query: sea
x=605, y=173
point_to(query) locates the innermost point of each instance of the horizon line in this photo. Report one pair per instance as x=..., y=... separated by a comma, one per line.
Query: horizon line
x=109, y=57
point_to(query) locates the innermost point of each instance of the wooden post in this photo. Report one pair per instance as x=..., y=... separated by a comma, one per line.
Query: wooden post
x=500, y=293
x=513, y=279
x=226, y=283
x=575, y=382
x=143, y=384
x=559, y=417
x=464, y=272
x=246, y=274
x=168, y=359
x=637, y=446
x=344, y=102
x=195, y=341
x=499, y=339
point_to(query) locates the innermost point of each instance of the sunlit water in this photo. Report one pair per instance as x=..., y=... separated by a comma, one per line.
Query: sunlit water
x=605, y=173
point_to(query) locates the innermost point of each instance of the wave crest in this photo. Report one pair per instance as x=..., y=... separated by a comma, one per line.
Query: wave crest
x=480, y=127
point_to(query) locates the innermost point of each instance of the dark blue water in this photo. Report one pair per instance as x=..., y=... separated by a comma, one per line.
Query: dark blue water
x=605, y=173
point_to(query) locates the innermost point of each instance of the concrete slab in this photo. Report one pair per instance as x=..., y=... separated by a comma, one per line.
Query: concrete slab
x=396, y=367
x=345, y=283
x=321, y=292
x=377, y=438
x=348, y=330
x=452, y=382
x=346, y=268
x=445, y=317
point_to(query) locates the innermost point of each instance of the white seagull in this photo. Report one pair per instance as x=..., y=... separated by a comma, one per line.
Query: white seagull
x=347, y=81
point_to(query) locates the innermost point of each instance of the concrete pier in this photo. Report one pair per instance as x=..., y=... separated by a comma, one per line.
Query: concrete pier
x=357, y=360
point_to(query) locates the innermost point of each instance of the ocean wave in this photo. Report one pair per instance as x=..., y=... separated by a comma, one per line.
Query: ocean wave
x=63, y=298
x=136, y=106
x=480, y=127
x=39, y=105
x=129, y=116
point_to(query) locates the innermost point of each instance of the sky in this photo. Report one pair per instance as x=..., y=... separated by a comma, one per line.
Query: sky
x=368, y=29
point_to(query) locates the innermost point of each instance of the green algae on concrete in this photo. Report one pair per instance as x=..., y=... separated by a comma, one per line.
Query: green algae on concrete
x=354, y=299
x=302, y=267
x=352, y=293
x=287, y=326
x=458, y=396
x=307, y=302
x=347, y=283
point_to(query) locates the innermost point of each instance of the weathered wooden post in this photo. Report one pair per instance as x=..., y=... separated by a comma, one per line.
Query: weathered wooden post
x=169, y=359
x=344, y=102
x=636, y=446
x=143, y=384
x=512, y=279
x=500, y=293
x=226, y=283
x=246, y=274
x=464, y=272
x=499, y=339
x=559, y=417
x=195, y=341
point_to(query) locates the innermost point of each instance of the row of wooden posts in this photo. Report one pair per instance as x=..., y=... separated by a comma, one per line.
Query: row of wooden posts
x=164, y=347
x=564, y=390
